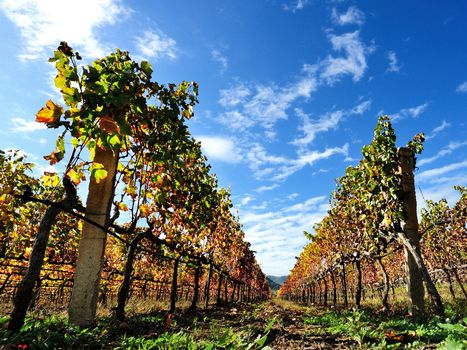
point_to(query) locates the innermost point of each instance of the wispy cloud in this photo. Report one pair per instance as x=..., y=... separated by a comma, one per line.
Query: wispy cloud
x=436, y=172
x=245, y=200
x=393, y=63
x=311, y=128
x=309, y=158
x=253, y=104
x=220, y=148
x=220, y=58
x=324, y=123
x=296, y=5
x=262, y=105
x=22, y=125
x=462, y=87
x=353, y=62
x=277, y=235
x=234, y=96
x=236, y=120
x=451, y=147
x=362, y=107
x=266, y=188
x=438, y=129
x=261, y=163
x=278, y=168
x=412, y=112
x=156, y=44
x=441, y=186
x=304, y=206
x=43, y=24
x=352, y=16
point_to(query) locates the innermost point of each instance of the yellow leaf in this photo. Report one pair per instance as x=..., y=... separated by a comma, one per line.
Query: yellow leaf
x=122, y=206
x=145, y=210
x=76, y=176
x=50, y=113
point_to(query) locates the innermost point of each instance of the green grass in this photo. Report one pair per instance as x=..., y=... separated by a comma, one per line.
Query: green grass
x=379, y=331
x=141, y=332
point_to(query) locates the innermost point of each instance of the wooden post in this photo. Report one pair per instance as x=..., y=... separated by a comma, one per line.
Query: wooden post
x=414, y=277
x=173, y=292
x=83, y=304
x=219, y=285
x=194, y=302
x=344, y=284
x=207, y=287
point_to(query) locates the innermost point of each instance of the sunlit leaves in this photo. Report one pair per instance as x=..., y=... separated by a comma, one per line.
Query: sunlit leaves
x=50, y=179
x=76, y=175
x=122, y=206
x=145, y=210
x=98, y=172
x=146, y=68
x=58, y=153
x=50, y=113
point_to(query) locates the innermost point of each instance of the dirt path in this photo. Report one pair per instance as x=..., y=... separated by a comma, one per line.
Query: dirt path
x=288, y=332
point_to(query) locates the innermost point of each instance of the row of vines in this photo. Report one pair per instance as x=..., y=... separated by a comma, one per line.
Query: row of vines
x=155, y=224
x=371, y=241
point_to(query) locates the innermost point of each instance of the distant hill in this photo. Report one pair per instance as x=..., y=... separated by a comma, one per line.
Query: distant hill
x=273, y=285
x=278, y=279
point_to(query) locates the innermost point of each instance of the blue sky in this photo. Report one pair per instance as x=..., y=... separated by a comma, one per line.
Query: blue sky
x=290, y=91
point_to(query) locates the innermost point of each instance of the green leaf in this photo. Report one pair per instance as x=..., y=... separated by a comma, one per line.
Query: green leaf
x=60, y=81
x=98, y=172
x=146, y=68
x=61, y=144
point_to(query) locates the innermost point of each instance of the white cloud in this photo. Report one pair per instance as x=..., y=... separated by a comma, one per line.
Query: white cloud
x=312, y=127
x=427, y=175
x=263, y=105
x=320, y=171
x=266, y=188
x=277, y=236
x=394, y=66
x=304, y=206
x=156, y=44
x=362, y=107
x=353, y=63
x=245, y=200
x=43, y=24
x=352, y=16
x=438, y=129
x=218, y=57
x=324, y=123
x=262, y=163
x=233, y=96
x=462, y=87
x=236, y=120
x=451, y=147
x=220, y=148
x=279, y=168
x=441, y=187
x=312, y=156
x=412, y=112
x=22, y=125
x=296, y=5
x=270, y=103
